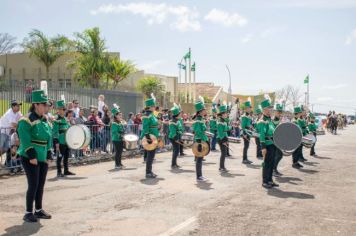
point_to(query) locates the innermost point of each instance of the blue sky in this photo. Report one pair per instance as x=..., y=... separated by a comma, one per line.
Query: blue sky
x=266, y=43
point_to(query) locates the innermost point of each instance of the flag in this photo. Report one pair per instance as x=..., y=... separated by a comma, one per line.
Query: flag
x=187, y=56
x=193, y=67
x=306, y=80
x=181, y=66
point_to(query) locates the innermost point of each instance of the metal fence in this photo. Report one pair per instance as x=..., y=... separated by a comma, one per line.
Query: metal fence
x=129, y=101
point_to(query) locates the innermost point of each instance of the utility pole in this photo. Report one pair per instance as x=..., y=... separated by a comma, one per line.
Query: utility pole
x=229, y=90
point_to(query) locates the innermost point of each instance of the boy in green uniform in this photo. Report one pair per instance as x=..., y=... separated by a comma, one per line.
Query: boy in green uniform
x=257, y=139
x=149, y=126
x=298, y=153
x=213, y=129
x=60, y=126
x=175, y=132
x=266, y=130
x=312, y=127
x=35, y=137
x=279, y=155
x=246, y=126
x=199, y=129
x=222, y=136
x=117, y=131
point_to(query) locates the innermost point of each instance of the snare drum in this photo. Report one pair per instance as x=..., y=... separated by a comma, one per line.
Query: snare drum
x=233, y=139
x=209, y=134
x=308, y=140
x=78, y=137
x=131, y=141
x=187, y=139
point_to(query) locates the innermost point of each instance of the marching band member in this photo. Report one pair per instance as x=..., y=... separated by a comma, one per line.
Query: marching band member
x=222, y=136
x=175, y=132
x=298, y=120
x=246, y=125
x=213, y=128
x=117, y=131
x=35, y=143
x=199, y=129
x=181, y=127
x=60, y=126
x=312, y=128
x=279, y=154
x=228, y=122
x=257, y=139
x=266, y=130
x=149, y=126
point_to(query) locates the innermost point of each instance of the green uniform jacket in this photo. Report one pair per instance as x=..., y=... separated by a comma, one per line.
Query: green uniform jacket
x=199, y=129
x=265, y=130
x=60, y=126
x=149, y=125
x=302, y=125
x=246, y=123
x=181, y=125
x=223, y=129
x=117, y=130
x=174, y=129
x=213, y=125
x=312, y=127
x=35, y=137
x=276, y=121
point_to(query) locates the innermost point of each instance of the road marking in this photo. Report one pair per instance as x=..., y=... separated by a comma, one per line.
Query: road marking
x=341, y=220
x=179, y=227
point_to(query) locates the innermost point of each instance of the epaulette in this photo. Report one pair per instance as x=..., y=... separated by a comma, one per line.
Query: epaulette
x=26, y=119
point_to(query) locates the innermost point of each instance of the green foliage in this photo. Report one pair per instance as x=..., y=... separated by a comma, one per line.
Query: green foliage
x=150, y=84
x=118, y=70
x=207, y=99
x=47, y=50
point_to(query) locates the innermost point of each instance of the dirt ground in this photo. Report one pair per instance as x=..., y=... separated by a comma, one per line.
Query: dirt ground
x=319, y=199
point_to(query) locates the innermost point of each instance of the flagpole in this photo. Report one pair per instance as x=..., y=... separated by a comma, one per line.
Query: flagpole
x=190, y=76
x=194, y=85
x=308, y=92
x=185, y=82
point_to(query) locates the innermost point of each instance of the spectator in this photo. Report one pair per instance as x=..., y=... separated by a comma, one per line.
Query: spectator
x=70, y=106
x=130, y=123
x=95, y=126
x=81, y=119
x=105, y=132
x=13, y=161
x=138, y=123
x=8, y=125
x=70, y=117
x=101, y=104
x=28, y=90
x=76, y=108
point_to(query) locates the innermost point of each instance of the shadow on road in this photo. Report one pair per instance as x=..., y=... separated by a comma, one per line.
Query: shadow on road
x=321, y=157
x=208, y=163
x=229, y=175
x=275, y=192
x=65, y=178
x=311, y=163
x=115, y=170
x=289, y=180
x=179, y=171
x=151, y=181
x=253, y=166
x=24, y=229
x=204, y=185
x=308, y=171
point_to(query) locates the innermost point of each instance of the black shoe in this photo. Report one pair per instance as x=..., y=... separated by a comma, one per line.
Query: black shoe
x=246, y=162
x=150, y=176
x=60, y=175
x=68, y=173
x=175, y=167
x=222, y=169
x=29, y=217
x=266, y=185
x=276, y=173
x=228, y=155
x=42, y=215
x=273, y=184
x=297, y=165
x=303, y=159
x=182, y=154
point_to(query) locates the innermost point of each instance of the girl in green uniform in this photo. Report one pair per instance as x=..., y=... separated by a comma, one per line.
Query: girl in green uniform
x=35, y=144
x=175, y=132
x=312, y=128
x=222, y=135
x=117, y=131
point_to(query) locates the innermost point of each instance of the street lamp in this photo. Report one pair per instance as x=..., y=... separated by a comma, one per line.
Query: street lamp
x=229, y=90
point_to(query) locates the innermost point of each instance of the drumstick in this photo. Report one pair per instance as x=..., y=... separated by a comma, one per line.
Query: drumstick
x=226, y=145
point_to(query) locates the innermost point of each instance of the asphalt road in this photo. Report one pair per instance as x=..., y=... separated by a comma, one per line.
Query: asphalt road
x=320, y=199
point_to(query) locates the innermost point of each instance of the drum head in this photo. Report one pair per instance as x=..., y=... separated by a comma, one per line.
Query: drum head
x=131, y=137
x=75, y=137
x=287, y=136
x=311, y=137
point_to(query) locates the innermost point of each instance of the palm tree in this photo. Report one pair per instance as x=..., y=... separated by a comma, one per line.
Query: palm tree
x=119, y=70
x=91, y=63
x=149, y=85
x=47, y=50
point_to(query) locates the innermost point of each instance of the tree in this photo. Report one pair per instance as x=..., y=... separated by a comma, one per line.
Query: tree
x=118, y=70
x=47, y=50
x=150, y=84
x=290, y=96
x=7, y=43
x=91, y=63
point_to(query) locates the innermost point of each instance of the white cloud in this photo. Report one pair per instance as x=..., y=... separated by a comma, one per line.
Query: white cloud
x=351, y=37
x=184, y=18
x=151, y=65
x=328, y=4
x=324, y=99
x=272, y=30
x=247, y=38
x=333, y=87
x=225, y=18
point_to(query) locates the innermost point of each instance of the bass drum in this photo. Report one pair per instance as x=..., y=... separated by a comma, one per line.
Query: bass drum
x=78, y=137
x=205, y=149
x=287, y=137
